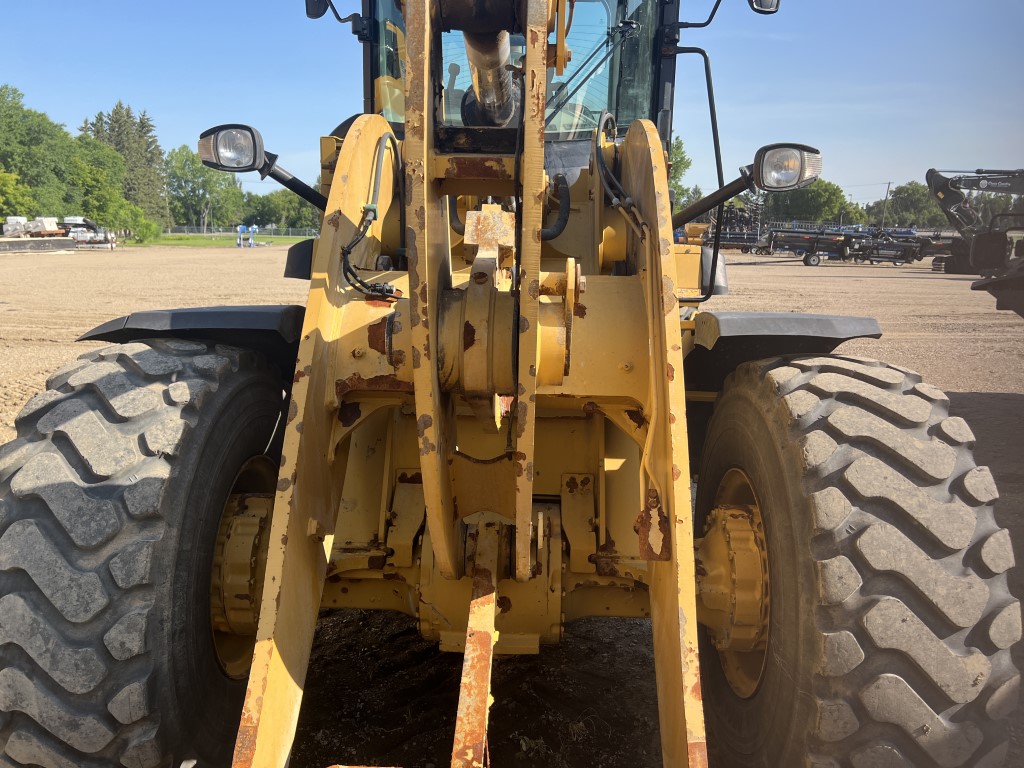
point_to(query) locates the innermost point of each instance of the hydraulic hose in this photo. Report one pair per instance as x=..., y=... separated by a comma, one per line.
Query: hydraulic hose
x=562, y=185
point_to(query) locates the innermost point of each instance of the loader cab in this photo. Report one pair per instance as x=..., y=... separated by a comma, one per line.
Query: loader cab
x=618, y=64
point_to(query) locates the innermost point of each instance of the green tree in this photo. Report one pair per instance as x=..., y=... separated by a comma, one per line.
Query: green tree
x=15, y=197
x=281, y=208
x=820, y=201
x=47, y=172
x=200, y=196
x=134, y=138
x=678, y=164
x=909, y=204
x=40, y=152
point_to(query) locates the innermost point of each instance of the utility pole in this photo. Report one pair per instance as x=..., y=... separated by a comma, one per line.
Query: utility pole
x=885, y=205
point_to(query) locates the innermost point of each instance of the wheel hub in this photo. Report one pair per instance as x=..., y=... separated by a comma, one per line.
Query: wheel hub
x=238, y=569
x=733, y=586
x=732, y=580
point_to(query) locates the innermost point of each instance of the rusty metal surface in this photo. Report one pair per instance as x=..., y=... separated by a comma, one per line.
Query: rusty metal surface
x=666, y=458
x=534, y=189
x=470, y=747
x=302, y=527
x=429, y=256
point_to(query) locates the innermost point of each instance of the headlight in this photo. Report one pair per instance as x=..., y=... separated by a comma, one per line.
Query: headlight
x=232, y=148
x=780, y=167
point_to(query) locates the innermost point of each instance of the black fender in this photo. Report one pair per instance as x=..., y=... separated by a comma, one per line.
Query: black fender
x=271, y=330
x=725, y=340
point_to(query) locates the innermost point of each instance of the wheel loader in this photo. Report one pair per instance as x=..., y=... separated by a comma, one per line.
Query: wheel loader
x=504, y=407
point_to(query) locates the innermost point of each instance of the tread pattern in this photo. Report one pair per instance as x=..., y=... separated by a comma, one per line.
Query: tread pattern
x=80, y=520
x=914, y=614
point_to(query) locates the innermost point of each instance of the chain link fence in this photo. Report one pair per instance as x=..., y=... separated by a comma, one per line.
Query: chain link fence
x=263, y=232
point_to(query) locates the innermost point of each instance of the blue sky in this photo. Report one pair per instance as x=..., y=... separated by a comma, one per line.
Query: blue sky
x=885, y=88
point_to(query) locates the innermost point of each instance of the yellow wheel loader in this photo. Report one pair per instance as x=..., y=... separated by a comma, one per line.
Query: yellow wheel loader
x=491, y=415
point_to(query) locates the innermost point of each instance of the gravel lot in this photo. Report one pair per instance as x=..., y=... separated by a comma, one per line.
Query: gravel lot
x=932, y=323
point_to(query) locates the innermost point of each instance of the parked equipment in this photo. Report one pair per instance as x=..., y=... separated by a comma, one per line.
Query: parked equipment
x=489, y=415
x=992, y=249
x=45, y=234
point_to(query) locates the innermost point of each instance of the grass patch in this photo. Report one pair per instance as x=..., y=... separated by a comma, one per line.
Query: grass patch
x=215, y=241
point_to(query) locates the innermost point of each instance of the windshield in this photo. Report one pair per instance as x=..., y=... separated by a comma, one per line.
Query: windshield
x=611, y=67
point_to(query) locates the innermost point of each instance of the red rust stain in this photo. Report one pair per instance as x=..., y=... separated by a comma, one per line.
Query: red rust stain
x=579, y=310
x=381, y=302
x=644, y=524
x=377, y=336
x=383, y=383
x=605, y=565
x=695, y=690
x=349, y=413
x=697, y=754
x=470, y=167
x=504, y=604
x=468, y=335
x=298, y=375
x=671, y=372
x=675, y=472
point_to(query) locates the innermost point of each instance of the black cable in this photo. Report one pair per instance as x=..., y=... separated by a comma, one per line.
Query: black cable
x=517, y=192
x=564, y=200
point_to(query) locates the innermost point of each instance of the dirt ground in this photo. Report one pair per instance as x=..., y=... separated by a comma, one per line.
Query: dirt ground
x=379, y=695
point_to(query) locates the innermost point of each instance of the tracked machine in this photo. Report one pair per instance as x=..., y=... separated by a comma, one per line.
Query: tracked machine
x=490, y=415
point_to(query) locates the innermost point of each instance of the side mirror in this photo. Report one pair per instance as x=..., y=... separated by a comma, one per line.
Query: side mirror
x=782, y=167
x=317, y=8
x=233, y=147
x=238, y=148
x=757, y=6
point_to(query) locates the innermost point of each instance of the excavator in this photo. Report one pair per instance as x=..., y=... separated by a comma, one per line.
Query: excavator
x=995, y=249
x=506, y=405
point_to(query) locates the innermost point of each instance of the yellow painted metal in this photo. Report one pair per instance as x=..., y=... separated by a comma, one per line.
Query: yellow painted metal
x=732, y=581
x=308, y=489
x=534, y=186
x=578, y=512
x=398, y=435
x=667, y=518
x=734, y=590
x=236, y=583
x=429, y=255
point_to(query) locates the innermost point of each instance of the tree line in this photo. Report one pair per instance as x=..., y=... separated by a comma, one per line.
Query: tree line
x=115, y=172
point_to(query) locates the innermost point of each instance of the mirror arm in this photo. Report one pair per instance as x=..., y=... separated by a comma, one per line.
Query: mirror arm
x=723, y=195
x=286, y=180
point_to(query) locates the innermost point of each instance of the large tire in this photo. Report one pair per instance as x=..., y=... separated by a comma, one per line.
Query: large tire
x=890, y=617
x=110, y=501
